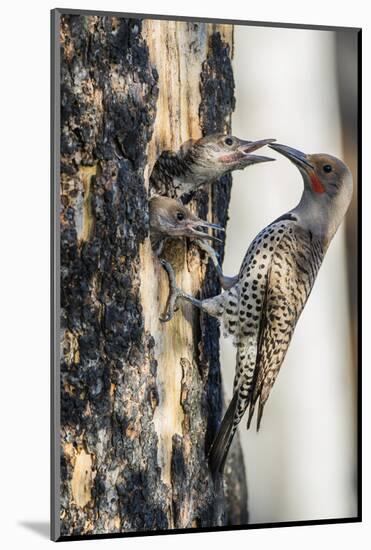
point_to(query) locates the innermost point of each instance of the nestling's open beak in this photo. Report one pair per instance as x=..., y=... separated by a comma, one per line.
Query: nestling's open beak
x=243, y=152
x=250, y=146
x=298, y=158
x=193, y=232
x=202, y=223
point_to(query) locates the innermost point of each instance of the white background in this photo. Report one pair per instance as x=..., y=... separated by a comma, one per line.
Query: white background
x=24, y=230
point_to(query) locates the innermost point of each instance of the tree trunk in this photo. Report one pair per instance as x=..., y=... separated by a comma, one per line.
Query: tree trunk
x=140, y=400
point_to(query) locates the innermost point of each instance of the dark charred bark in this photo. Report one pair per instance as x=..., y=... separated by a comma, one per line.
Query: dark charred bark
x=121, y=469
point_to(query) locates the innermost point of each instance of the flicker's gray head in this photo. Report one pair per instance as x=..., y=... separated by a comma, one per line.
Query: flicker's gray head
x=170, y=218
x=328, y=188
x=217, y=154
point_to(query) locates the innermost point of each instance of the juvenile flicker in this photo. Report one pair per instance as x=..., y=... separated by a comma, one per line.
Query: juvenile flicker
x=203, y=161
x=276, y=277
x=169, y=218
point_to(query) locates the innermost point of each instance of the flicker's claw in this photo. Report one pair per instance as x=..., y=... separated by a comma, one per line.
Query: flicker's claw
x=174, y=292
x=165, y=318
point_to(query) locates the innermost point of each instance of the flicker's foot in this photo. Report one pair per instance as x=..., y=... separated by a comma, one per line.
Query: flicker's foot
x=174, y=292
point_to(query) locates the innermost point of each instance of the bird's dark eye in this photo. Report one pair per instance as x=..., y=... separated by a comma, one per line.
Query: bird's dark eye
x=180, y=216
x=327, y=168
x=228, y=141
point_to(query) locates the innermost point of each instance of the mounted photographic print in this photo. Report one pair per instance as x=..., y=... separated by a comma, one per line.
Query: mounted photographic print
x=205, y=215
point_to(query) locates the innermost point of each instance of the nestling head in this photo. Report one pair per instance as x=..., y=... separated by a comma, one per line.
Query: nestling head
x=170, y=218
x=218, y=154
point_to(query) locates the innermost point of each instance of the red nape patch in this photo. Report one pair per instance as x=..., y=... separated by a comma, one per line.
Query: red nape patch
x=316, y=184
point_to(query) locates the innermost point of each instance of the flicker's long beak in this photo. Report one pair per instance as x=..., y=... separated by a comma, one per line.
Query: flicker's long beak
x=247, y=147
x=298, y=158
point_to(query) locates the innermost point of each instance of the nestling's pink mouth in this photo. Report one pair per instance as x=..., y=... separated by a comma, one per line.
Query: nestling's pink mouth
x=243, y=153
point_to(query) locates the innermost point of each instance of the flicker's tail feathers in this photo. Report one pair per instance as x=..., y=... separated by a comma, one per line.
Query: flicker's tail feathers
x=223, y=439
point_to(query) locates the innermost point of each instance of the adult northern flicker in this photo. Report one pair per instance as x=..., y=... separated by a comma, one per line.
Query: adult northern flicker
x=203, y=161
x=276, y=277
x=169, y=218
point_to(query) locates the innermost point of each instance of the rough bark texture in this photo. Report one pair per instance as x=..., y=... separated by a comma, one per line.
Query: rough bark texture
x=141, y=401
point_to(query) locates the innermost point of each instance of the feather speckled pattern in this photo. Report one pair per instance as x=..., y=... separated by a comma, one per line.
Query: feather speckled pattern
x=293, y=269
x=262, y=310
